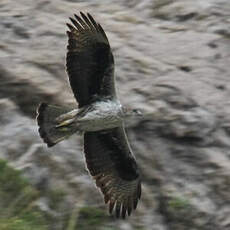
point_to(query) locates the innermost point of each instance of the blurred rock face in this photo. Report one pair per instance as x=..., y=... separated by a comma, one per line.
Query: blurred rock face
x=172, y=59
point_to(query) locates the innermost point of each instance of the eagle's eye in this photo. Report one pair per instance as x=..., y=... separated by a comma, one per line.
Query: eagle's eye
x=137, y=112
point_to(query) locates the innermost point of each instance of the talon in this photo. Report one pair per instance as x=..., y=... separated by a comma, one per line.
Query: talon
x=67, y=116
x=65, y=123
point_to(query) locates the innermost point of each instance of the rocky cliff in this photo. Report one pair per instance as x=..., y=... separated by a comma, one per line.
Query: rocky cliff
x=172, y=58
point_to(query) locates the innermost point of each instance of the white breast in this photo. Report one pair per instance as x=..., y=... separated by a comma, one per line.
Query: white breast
x=105, y=115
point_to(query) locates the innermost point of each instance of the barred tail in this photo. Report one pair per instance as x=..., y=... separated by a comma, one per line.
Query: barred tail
x=46, y=119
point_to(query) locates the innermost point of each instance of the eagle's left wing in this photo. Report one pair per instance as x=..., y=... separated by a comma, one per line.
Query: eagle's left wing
x=110, y=161
x=89, y=60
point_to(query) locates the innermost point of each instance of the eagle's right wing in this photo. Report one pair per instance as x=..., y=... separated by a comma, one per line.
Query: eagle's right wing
x=89, y=60
x=111, y=163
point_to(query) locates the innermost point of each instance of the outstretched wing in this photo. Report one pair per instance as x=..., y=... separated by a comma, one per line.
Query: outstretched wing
x=111, y=163
x=89, y=60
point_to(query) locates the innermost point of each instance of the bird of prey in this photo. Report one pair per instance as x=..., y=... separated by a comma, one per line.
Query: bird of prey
x=99, y=116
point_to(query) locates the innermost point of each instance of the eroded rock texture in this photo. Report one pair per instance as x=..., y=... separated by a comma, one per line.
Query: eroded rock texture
x=172, y=59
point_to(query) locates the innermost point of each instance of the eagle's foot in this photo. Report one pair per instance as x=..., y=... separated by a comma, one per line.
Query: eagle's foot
x=66, y=119
x=65, y=123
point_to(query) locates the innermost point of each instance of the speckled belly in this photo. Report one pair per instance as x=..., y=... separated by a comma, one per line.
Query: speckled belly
x=103, y=115
x=97, y=124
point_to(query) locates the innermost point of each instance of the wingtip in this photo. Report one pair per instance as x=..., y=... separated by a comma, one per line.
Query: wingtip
x=123, y=212
x=76, y=23
x=111, y=206
x=69, y=26
x=82, y=14
x=77, y=16
x=89, y=15
x=95, y=24
x=117, y=210
x=68, y=33
x=72, y=20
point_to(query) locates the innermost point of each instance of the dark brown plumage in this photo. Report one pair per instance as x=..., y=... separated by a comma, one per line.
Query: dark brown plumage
x=89, y=60
x=111, y=163
x=90, y=67
x=109, y=159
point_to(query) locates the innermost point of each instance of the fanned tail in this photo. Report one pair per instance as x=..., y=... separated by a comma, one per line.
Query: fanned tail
x=48, y=126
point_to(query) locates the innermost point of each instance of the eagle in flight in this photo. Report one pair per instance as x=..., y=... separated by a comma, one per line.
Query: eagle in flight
x=99, y=116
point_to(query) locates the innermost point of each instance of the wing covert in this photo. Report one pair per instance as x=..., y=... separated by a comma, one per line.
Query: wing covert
x=89, y=61
x=111, y=163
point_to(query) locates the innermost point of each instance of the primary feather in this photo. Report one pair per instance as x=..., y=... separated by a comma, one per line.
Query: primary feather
x=89, y=60
x=111, y=163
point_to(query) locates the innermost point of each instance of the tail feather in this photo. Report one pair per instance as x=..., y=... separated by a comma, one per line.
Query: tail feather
x=46, y=119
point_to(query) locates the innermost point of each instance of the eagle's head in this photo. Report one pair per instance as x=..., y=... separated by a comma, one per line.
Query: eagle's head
x=128, y=112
